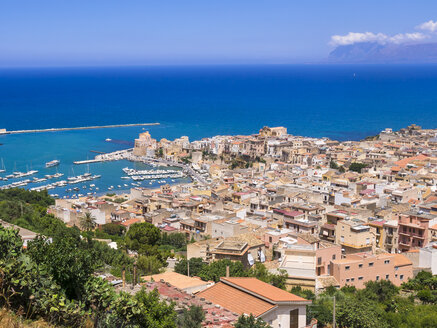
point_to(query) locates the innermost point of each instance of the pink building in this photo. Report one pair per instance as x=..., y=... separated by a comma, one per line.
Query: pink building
x=357, y=269
x=414, y=229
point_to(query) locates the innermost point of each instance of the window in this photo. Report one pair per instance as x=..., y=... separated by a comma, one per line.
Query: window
x=319, y=261
x=367, y=241
x=401, y=277
x=347, y=280
x=347, y=267
x=386, y=261
x=371, y=264
x=360, y=266
x=360, y=278
x=352, y=279
x=270, y=239
x=333, y=257
x=342, y=239
x=377, y=278
x=387, y=276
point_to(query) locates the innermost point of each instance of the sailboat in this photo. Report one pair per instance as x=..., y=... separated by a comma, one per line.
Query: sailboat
x=2, y=168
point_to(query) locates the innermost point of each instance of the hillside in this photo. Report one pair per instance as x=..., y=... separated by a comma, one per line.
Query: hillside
x=372, y=52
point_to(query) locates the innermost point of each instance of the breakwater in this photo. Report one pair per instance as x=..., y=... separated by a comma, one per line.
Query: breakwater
x=3, y=131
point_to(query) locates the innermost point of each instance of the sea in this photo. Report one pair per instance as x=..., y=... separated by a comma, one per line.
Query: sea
x=342, y=102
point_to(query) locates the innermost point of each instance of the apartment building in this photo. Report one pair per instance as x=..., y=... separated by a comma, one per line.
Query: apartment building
x=414, y=229
x=355, y=236
x=357, y=269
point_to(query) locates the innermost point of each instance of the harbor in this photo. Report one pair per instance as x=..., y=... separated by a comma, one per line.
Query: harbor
x=104, y=153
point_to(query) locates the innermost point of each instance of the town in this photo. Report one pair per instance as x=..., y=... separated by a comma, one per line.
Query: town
x=319, y=213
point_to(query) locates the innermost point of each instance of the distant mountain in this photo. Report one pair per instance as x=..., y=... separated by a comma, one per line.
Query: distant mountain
x=372, y=52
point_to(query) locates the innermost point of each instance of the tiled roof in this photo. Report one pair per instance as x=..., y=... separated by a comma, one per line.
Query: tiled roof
x=401, y=260
x=235, y=300
x=263, y=289
x=176, y=279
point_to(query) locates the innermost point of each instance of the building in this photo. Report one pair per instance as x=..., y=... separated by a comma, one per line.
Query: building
x=355, y=236
x=414, y=229
x=357, y=269
x=273, y=132
x=307, y=260
x=145, y=145
x=428, y=258
x=275, y=306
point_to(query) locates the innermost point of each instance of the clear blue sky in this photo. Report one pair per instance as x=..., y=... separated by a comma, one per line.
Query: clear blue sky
x=142, y=32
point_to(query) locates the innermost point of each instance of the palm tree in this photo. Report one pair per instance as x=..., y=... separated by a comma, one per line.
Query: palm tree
x=87, y=221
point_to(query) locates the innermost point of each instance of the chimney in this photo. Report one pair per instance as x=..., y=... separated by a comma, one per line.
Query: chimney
x=227, y=271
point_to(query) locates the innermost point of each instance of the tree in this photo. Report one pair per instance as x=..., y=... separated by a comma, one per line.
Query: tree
x=66, y=260
x=142, y=236
x=333, y=165
x=141, y=310
x=250, y=322
x=360, y=313
x=357, y=167
x=196, y=266
x=177, y=240
x=260, y=272
x=87, y=222
x=215, y=270
x=341, y=169
x=148, y=265
x=114, y=229
x=191, y=317
x=381, y=291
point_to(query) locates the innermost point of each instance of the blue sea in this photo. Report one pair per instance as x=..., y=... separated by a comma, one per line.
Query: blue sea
x=339, y=102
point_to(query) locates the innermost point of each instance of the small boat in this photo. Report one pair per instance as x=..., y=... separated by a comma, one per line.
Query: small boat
x=108, y=139
x=53, y=163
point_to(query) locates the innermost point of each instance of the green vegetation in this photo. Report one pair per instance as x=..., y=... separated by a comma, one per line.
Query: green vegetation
x=53, y=280
x=217, y=269
x=191, y=317
x=333, y=165
x=357, y=167
x=380, y=304
x=87, y=221
x=250, y=322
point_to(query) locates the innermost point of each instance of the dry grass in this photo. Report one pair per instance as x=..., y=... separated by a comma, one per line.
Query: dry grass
x=10, y=320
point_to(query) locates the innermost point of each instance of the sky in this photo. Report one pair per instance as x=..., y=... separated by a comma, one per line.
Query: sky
x=179, y=32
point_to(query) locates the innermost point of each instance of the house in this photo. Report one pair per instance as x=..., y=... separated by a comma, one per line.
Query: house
x=357, y=269
x=278, y=308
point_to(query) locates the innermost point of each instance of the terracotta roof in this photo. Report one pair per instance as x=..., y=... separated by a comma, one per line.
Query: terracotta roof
x=264, y=290
x=129, y=222
x=401, y=260
x=235, y=300
x=176, y=279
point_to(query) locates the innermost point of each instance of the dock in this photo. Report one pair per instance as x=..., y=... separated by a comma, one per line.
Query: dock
x=88, y=161
x=4, y=131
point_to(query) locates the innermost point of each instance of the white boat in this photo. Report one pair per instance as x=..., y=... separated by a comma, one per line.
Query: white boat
x=108, y=139
x=53, y=163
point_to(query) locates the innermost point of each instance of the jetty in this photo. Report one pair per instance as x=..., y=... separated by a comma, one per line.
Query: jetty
x=4, y=131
